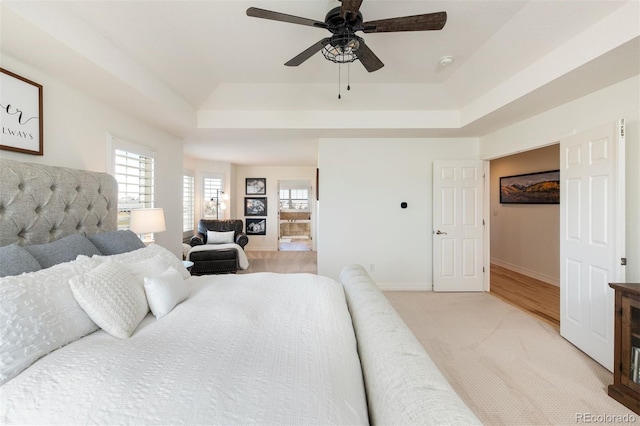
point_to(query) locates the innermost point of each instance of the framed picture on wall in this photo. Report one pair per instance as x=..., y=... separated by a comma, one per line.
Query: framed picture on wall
x=21, y=109
x=256, y=226
x=531, y=188
x=255, y=206
x=256, y=186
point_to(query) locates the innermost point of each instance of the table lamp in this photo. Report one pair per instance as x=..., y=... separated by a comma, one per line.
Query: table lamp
x=147, y=221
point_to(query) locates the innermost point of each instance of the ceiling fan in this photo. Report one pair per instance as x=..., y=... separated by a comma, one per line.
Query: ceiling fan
x=343, y=22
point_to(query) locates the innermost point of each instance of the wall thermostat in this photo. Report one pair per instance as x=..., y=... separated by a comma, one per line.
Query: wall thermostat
x=403, y=205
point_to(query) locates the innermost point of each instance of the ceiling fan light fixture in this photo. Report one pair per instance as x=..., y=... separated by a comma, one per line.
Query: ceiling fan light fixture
x=339, y=56
x=343, y=22
x=340, y=52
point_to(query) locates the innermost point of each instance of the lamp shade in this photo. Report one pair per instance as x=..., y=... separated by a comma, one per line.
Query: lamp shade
x=146, y=221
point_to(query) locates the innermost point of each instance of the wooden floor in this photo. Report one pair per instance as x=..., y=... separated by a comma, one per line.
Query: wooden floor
x=534, y=296
x=286, y=262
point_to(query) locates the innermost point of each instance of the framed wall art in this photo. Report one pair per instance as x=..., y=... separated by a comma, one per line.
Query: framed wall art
x=255, y=206
x=531, y=188
x=256, y=186
x=256, y=226
x=21, y=114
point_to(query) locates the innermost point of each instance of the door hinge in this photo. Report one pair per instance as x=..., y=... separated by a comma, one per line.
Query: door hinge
x=482, y=222
x=623, y=261
x=483, y=269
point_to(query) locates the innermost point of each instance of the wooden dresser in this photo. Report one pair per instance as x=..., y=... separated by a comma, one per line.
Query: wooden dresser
x=626, y=375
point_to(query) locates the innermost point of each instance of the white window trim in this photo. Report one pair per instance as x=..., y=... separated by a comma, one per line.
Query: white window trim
x=188, y=233
x=115, y=143
x=205, y=199
x=290, y=198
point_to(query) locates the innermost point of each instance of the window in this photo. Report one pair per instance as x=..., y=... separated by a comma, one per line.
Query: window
x=212, y=186
x=133, y=168
x=188, y=204
x=295, y=199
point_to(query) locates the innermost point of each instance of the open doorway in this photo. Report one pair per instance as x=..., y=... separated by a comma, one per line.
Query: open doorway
x=525, y=239
x=294, y=215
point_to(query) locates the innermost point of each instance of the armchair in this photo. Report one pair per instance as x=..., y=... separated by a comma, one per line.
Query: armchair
x=218, y=258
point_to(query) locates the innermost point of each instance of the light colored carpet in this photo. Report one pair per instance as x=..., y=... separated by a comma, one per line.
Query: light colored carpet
x=509, y=367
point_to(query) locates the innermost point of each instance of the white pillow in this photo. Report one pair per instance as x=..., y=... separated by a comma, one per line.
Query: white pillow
x=111, y=298
x=215, y=237
x=38, y=314
x=151, y=267
x=164, y=292
x=145, y=253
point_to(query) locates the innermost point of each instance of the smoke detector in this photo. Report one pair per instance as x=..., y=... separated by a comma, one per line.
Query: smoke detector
x=446, y=60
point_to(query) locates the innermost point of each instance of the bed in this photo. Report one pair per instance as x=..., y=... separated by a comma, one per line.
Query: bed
x=97, y=328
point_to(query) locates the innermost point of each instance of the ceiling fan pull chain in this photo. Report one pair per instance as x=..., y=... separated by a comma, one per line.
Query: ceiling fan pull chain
x=348, y=77
x=339, y=97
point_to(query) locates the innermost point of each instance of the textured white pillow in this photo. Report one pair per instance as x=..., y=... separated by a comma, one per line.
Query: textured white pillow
x=164, y=292
x=216, y=237
x=112, y=299
x=146, y=253
x=38, y=314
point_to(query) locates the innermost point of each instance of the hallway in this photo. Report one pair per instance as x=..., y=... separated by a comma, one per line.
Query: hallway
x=529, y=294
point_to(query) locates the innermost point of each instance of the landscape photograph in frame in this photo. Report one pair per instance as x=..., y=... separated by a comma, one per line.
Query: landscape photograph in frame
x=531, y=188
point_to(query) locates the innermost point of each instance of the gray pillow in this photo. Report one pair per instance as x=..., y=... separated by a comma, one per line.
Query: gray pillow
x=116, y=242
x=15, y=260
x=63, y=250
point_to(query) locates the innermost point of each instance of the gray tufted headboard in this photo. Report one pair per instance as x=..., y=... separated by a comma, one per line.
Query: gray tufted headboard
x=40, y=203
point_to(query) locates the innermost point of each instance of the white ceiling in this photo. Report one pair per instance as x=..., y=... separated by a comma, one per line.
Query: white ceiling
x=214, y=77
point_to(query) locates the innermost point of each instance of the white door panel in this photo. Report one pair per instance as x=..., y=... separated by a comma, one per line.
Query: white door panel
x=589, y=230
x=458, y=231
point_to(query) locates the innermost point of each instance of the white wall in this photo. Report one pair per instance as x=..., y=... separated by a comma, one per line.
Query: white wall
x=362, y=183
x=621, y=100
x=75, y=135
x=269, y=242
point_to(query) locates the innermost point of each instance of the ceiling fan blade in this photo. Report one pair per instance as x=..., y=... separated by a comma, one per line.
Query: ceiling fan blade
x=369, y=59
x=297, y=60
x=426, y=22
x=349, y=9
x=283, y=17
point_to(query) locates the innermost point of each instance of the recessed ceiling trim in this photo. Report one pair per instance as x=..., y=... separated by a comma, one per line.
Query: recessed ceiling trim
x=328, y=119
x=85, y=41
x=620, y=27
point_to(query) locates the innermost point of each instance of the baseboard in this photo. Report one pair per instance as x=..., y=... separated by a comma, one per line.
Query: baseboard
x=405, y=286
x=528, y=272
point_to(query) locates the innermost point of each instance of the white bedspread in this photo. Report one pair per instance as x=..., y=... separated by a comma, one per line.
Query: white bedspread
x=255, y=348
x=243, y=262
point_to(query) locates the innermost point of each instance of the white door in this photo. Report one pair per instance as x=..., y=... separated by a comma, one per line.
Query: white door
x=591, y=226
x=458, y=227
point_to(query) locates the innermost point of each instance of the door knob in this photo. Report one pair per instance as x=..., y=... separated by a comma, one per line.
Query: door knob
x=439, y=232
